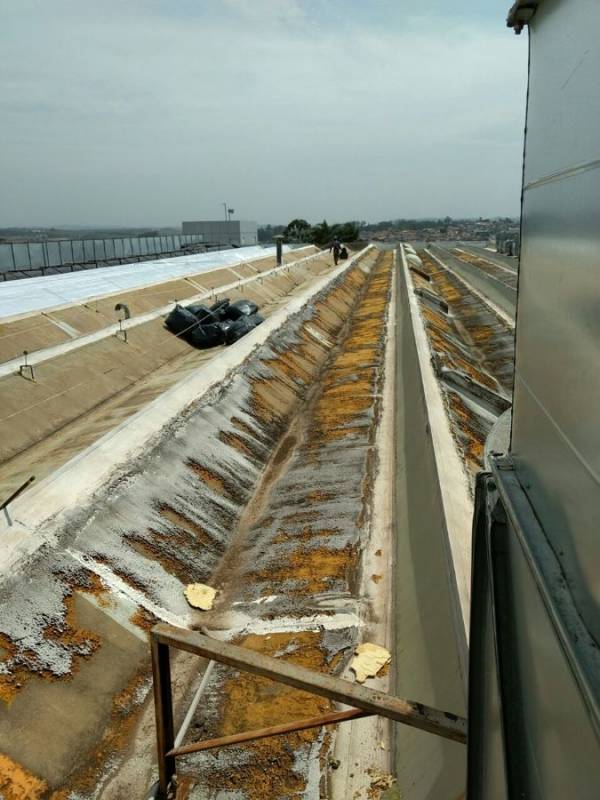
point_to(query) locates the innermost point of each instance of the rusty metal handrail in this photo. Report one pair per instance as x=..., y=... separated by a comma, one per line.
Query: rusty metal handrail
x=17, y=492
x=365, y=701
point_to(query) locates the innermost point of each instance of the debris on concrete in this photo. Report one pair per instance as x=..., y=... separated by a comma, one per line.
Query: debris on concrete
x=201, y=596
x=221, y=323
x=369, y=660
x=380, y=780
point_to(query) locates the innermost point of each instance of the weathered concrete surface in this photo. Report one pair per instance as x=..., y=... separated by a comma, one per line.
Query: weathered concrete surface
x=122, y=559
x=292, y=582
x=497, y=283
x=509, y=262
x=427, y=663
x=81, y=393
x=472, y=350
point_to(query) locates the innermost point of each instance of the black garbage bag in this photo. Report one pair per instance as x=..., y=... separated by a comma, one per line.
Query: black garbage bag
x=202, y=313
x=205, y=336
x=225, y=325
x=241, y=326
x=180, y=320
x=241, y=308
x=219, y=309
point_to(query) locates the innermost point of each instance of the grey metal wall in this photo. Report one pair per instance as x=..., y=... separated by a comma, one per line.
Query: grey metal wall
x=239, y=232
x=556, y=420
x=533, y=714
x=25, y=256
x=248, y=232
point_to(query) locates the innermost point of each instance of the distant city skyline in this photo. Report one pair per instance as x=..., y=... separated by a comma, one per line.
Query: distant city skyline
x=145, y=114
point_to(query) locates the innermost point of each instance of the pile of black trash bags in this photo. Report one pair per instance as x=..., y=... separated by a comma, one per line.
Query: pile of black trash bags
x=222, y=323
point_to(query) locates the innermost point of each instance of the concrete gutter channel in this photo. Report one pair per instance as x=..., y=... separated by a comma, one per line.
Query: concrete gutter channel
x=455, y=368
x=260, y=474
x=497, y=283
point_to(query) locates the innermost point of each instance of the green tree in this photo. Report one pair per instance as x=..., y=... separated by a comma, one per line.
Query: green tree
x=298, y=230
x=322, y=233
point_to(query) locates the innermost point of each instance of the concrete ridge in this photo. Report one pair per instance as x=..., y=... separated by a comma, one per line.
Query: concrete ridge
x=452, y=478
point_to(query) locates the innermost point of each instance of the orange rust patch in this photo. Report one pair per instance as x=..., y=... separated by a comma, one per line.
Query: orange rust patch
x=183, y=523
x=211, y=479
x=319, y=496
x=16, y=783
x=242, y=426
x=237, y=442
x=143, y=618
x=129, y=579
x=67, y=634
x=151, y=549
x=376, y=578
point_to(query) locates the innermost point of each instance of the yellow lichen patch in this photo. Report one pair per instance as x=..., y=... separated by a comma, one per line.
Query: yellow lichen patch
x=16, y=783
x=316, y=568
x=252, y=702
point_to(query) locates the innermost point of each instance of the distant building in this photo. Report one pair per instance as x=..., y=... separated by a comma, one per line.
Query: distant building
x=218, y=232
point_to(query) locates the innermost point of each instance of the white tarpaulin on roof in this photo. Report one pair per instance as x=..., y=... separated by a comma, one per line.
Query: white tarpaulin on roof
x=36, y=294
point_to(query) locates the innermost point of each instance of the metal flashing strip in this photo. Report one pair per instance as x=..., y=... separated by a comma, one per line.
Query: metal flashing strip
x=576, y=641
x=563, y=174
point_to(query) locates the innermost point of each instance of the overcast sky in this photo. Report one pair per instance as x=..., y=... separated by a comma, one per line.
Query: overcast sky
x=148, y=112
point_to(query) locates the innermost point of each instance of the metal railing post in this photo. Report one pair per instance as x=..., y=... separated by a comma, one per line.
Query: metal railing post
x=163, y=704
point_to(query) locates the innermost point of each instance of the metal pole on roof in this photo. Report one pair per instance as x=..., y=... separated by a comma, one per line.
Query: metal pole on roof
x=226, y=214
x=279, y=246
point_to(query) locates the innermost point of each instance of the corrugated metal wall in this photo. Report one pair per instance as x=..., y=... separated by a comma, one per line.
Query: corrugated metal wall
x=556, y=423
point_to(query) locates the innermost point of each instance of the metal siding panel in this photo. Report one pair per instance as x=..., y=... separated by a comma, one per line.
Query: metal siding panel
x=556, y=421
x=563, y=113
x=561, y=746
x=6, y=258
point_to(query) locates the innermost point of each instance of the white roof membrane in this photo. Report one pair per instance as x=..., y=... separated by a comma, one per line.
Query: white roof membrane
x=36, y=294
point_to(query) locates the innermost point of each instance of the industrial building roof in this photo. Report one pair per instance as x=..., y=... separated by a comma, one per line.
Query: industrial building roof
x=35, y=294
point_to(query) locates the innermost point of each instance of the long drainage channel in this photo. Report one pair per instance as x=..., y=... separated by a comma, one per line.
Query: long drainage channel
x=289, y=581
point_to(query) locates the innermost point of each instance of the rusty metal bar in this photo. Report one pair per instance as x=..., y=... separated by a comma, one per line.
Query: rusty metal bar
x=163, y=707
x=417, y=715
x=17, y=492
x=333, y=718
